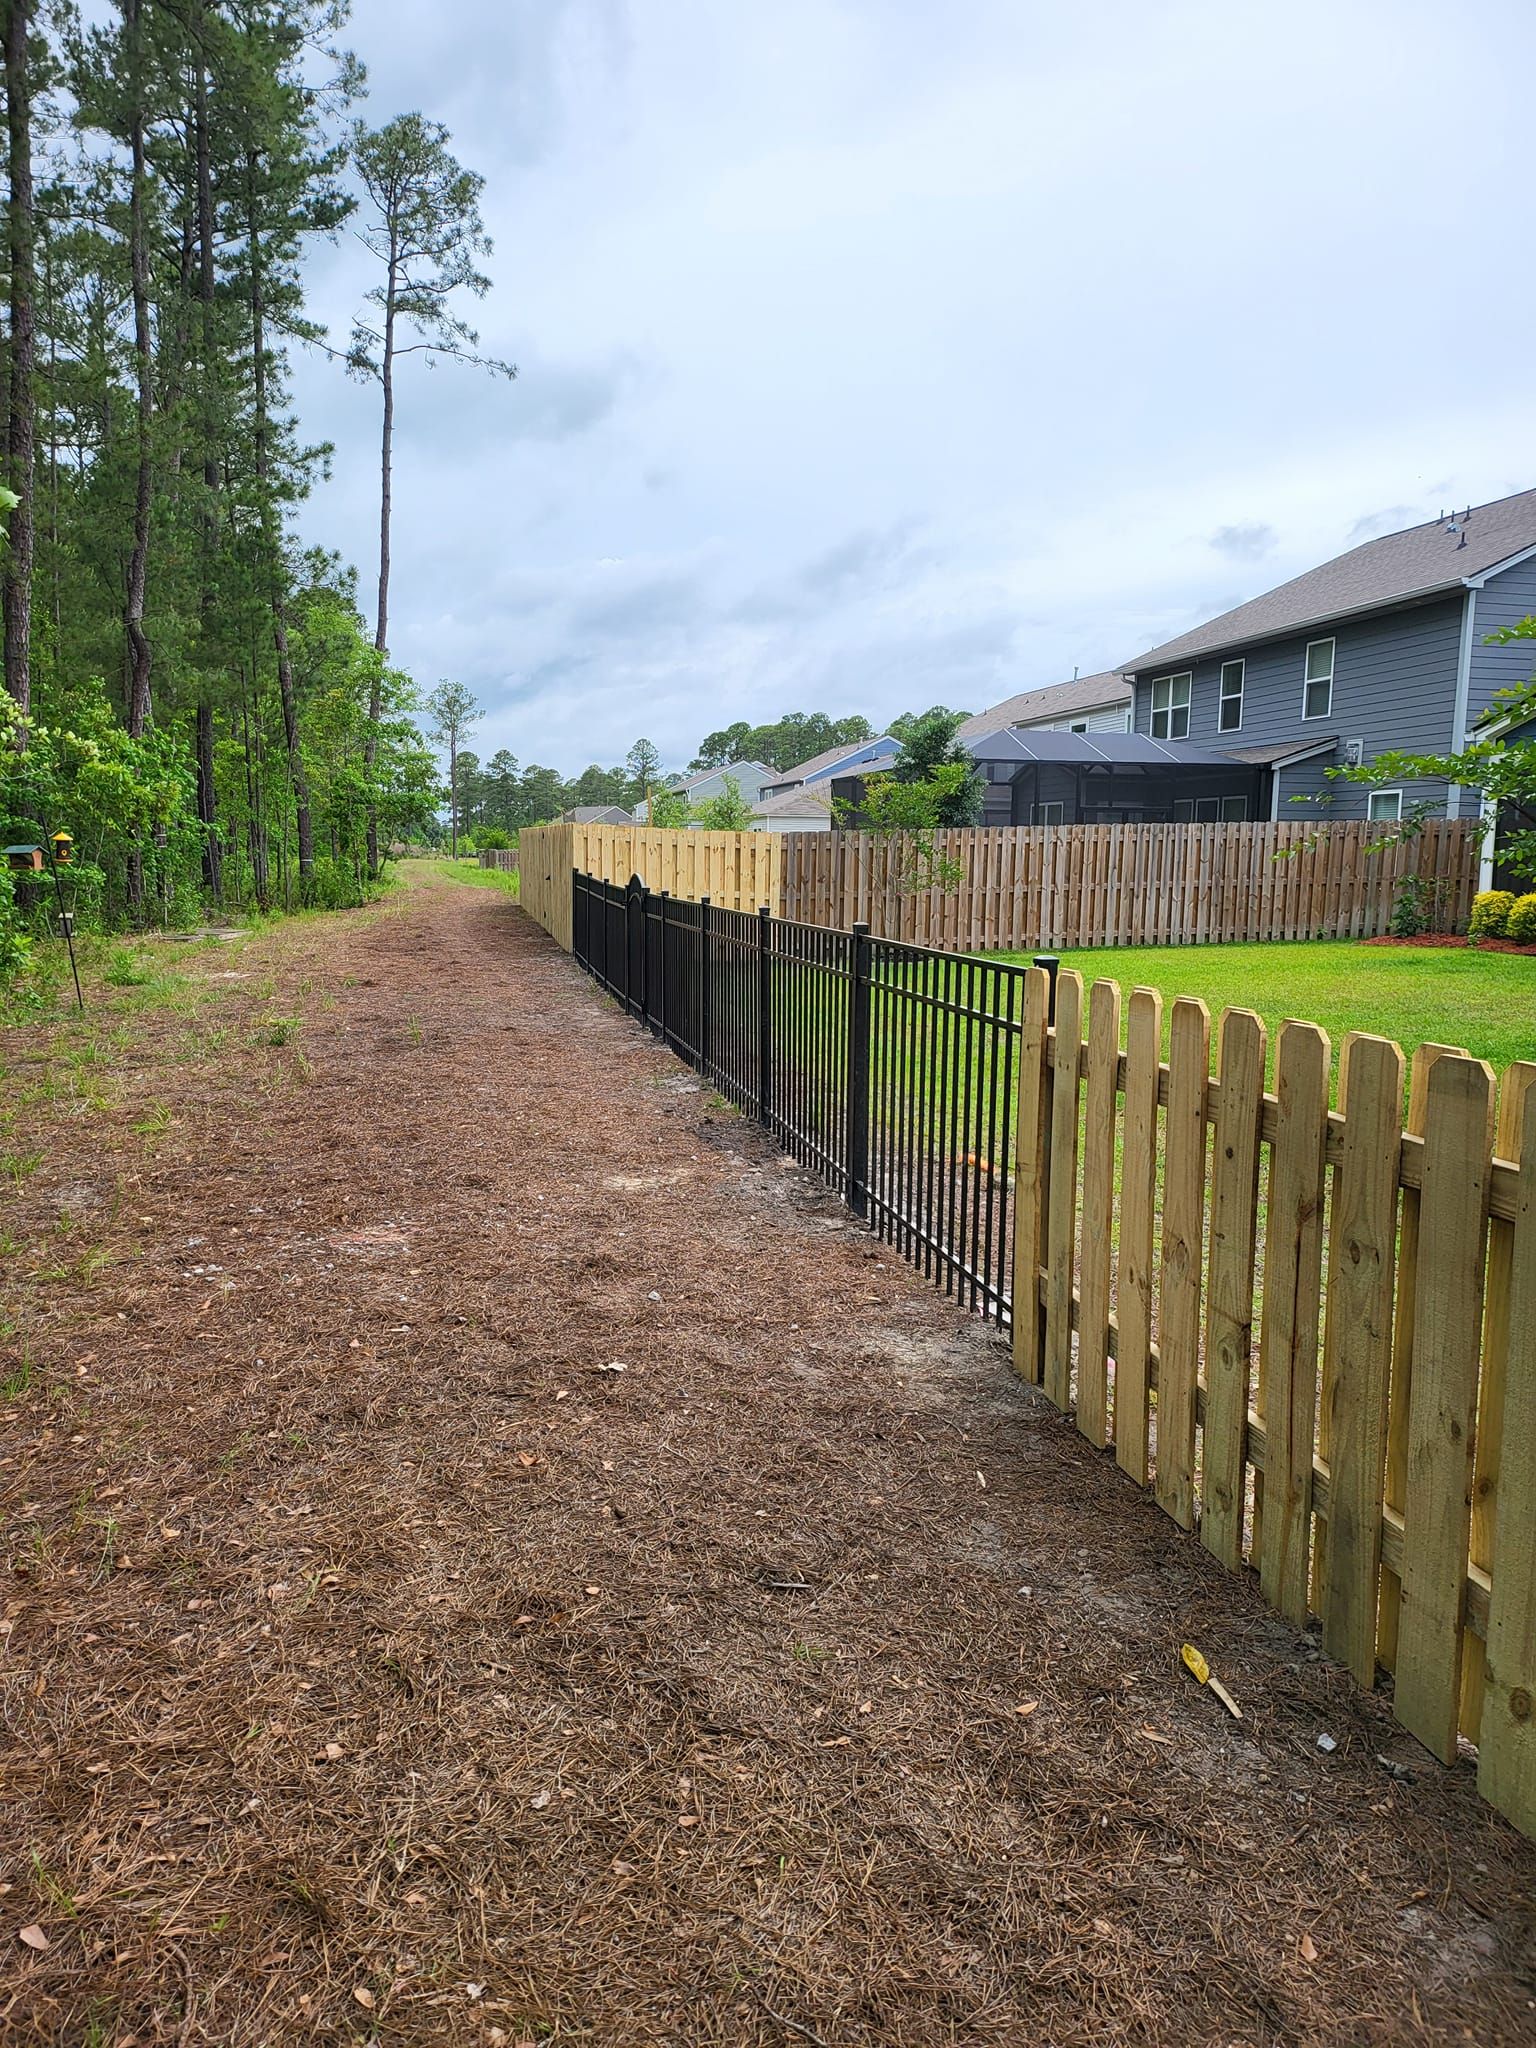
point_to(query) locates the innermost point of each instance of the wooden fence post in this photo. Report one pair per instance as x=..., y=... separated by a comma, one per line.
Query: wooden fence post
x=1229, y=1303
x=1100, y=1121
x=1133, y=1357
x=1183, y=1249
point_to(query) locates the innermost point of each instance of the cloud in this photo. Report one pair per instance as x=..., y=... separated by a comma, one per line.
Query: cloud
x=1246, y=543
x=1389, y=520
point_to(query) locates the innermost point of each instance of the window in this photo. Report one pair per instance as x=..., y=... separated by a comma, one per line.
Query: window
x=1183, y=810
x=1078, y=725
x=1048, y=814
x=1230, y=716
x=1170, y=708
x=1386, y=804
x=1317, y=697
x=1234, y=810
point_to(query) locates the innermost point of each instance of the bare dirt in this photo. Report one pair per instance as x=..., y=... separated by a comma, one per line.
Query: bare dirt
x=382, y=1663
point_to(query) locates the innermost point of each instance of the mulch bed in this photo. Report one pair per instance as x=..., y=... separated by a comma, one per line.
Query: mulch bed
x=380, y=1662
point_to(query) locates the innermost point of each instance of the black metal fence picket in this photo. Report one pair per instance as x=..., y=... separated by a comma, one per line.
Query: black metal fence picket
x=887, y=1069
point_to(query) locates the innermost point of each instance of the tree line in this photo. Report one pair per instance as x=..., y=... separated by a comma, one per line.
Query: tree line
x=192, y=693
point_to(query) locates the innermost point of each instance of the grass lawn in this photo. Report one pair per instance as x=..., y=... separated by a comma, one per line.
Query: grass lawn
x=1484, y=1001
x=504, y=879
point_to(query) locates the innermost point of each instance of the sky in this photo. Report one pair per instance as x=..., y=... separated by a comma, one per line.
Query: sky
x=881, y=353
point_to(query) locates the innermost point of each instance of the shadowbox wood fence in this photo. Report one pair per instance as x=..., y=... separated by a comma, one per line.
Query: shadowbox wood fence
x=1127, y=885
x=1309, y=1330
x=737, y=870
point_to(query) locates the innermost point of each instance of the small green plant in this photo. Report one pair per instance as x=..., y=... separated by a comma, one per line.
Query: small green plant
x=156, y=1118
x=1490, y=913
x=18, y=1380
x=126, y=969
x=413, y=1030
x=1415, y=908
x=1521, y=928
x=17, y=1165
x=281, y=1030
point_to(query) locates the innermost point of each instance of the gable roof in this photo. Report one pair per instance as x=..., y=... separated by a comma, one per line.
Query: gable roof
x=828, y=758
x=1058, y=700
x=597, y=814
x=681, y=784
x=1399, y=568
x=794, y=803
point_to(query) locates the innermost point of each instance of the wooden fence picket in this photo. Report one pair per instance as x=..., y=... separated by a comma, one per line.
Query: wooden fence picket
x=1138, y=1197
x=1229, y=1300
x=1061, y=1208
x=1442, y=1415
x=1288, y=1343
x=1031, y=1177
x=1183, y=1245
x=1357, y=1348
x=1100, y=1120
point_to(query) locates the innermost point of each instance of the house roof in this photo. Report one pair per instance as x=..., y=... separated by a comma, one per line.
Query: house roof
x=828, y=758
x=1059, y=700
x=597, y=814
x=1096, y=749
x=1399, y=568
x=794, y=803
x=683, y=783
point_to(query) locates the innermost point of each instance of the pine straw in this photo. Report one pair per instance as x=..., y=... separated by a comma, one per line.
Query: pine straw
x=379, y=1666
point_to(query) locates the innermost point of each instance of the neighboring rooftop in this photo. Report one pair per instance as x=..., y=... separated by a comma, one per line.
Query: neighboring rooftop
x=756, y=771
x=1057, y=700
x=596, y=814
x=1103, y=749
x=1399, y=568
x=793, y=803
x=828, y=758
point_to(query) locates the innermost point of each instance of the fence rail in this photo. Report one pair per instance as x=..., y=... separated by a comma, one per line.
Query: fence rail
x=1122, y=885
x=1311, y=1331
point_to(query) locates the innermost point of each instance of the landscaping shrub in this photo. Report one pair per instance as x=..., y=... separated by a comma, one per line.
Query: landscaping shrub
x=1490, y=913
x=1521, y=927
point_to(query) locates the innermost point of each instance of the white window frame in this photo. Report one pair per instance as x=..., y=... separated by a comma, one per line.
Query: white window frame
x=1376, y=817
x=1310, y=681
x=1055, y=804
x=1166, y=710
x=1225, y=696
x=1234, y=810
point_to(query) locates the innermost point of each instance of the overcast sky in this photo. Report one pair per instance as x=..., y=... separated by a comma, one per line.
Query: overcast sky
x=881, y=352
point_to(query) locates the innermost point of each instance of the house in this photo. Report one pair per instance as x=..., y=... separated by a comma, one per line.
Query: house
x=869, y=757
x=794, y=810
x=1381, y=649
x=596, y=814
x=750, y=777
x=1100, y=703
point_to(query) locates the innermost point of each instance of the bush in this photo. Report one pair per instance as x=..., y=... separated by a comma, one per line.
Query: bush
x=1490, y=913
x=1521, y=928
x=491, y=839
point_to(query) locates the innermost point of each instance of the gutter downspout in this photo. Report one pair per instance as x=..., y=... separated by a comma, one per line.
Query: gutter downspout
x=1463, y=694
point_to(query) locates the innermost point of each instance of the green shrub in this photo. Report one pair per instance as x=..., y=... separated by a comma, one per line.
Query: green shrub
x=1490, y=913
x=126, y=969
x=1521, y=926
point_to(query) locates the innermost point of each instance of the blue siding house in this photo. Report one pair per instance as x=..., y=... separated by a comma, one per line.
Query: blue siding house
x=1383, y=648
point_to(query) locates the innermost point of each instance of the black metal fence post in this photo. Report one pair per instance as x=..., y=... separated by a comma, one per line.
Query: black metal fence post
x=661, y=993
x=1051, y=962
x=704, y=977
x=578, y=918
x=858, y=1074
x=764, y=1013
x=634, y=943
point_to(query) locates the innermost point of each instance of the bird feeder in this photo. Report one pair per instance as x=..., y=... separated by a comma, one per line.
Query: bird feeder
x=62, y=849
x=24, y=860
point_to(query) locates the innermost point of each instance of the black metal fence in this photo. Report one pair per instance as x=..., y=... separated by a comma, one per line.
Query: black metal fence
x=888, y=1069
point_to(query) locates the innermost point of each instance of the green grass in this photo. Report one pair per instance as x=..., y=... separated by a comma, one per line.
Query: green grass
x=464, y=871
x=1414, y=994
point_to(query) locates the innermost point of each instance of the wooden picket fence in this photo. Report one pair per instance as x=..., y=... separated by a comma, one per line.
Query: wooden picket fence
x=500, y=857
x=735, y=870
x=1311, y=1331
x=1125, y=885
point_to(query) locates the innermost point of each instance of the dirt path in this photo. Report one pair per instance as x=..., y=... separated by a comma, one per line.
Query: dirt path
x=381, y=1662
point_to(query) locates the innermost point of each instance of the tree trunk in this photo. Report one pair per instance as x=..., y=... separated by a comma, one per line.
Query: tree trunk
x=207, y=798
x=138, y=260
x=453, y=795
x=21, y=436
x=381, y=632
x=297, y=777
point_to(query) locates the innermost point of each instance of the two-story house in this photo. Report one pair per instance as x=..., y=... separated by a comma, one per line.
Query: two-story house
x=1099, y=703
x=1382, y=649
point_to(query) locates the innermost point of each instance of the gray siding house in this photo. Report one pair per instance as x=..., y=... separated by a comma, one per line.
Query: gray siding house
x=1383, y=648
x=1100, y=703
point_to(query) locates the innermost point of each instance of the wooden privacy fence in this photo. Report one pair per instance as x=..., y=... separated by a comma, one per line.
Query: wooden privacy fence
x=1312, y=1332
x=735, y=870
x=499, y=857
x=1126, y=885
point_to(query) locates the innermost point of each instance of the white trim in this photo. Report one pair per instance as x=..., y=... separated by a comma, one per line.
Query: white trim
x=1308, y=752
x=1240, y=663
x=1397, y=816
x=1490, y=834
x=1497, y=569
x=1056, y=804
x=1331, y=641
x=1463, y=692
